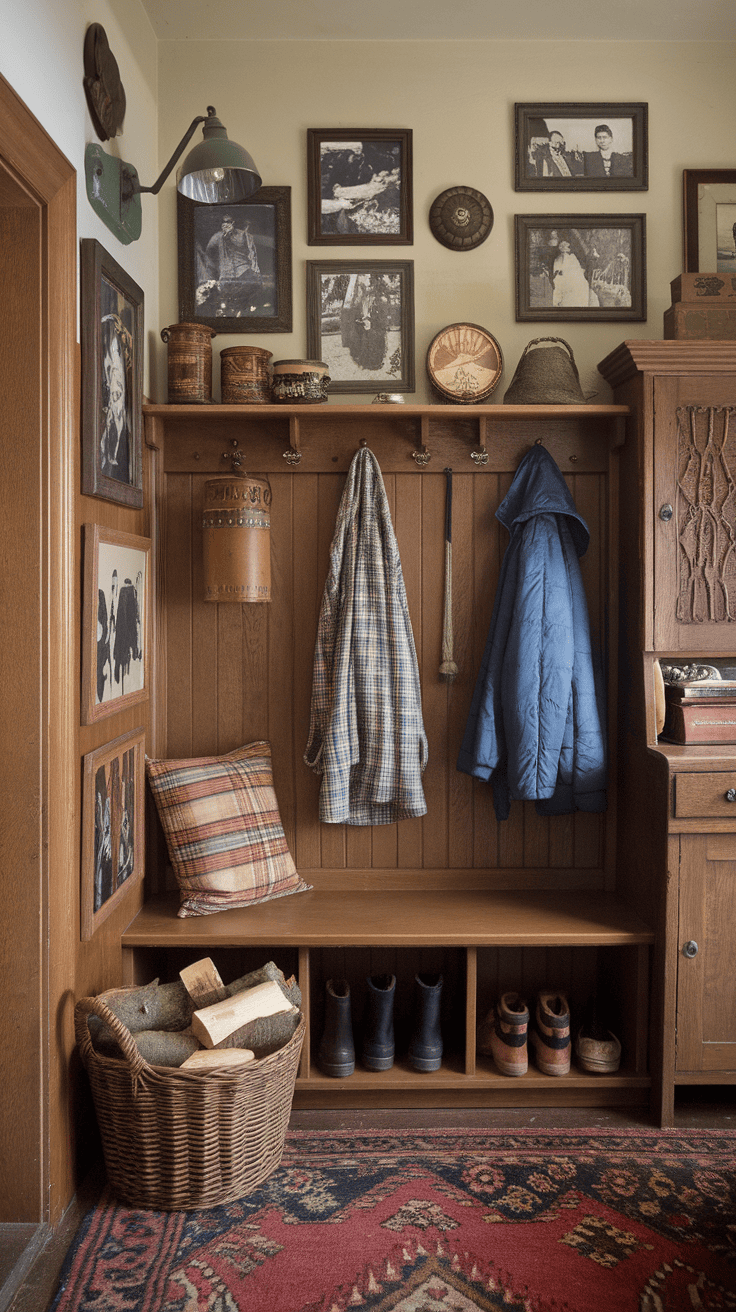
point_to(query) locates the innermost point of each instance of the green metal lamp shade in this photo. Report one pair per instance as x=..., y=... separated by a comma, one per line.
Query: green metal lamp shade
x=217, y=170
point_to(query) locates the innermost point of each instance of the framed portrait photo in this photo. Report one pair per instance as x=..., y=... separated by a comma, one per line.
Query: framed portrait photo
x=709, y=208
x=111, y=309
x=116, y=655
x=581, y=266
x=235, y=263
x=112, y=826
x=359, y=187
x=360, y=322
x=586, y=147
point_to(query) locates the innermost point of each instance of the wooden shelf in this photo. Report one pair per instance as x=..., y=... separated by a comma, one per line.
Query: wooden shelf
x=466, y=918
x=333, y=410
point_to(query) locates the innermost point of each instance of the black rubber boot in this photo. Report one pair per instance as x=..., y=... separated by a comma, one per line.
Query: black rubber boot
x=425, y=1049
x=336, y=1054
x=377, y=1051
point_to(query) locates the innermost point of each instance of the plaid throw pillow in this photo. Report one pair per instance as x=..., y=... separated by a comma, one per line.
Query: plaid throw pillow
x=223, y=830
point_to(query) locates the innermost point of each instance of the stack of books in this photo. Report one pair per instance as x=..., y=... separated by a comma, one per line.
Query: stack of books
x=700, y=712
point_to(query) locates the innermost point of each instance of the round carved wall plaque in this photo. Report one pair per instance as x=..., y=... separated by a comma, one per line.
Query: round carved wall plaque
x=461, y=218
x=464, y=363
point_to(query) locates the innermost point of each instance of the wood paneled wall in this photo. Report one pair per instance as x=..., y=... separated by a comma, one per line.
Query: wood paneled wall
x=239, y=673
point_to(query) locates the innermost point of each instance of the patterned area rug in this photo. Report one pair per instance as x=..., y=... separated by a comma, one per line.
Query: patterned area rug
x=443, y=1221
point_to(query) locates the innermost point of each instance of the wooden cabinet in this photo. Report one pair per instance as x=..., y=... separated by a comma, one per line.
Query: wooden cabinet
x=524, y=904
x=677, y=584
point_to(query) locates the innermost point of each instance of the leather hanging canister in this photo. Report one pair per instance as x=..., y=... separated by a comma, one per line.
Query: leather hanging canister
x=236, y=539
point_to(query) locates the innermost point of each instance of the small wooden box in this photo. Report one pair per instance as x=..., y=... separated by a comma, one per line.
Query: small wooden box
x=700, y=322
x=704, y=288
x=700, y=722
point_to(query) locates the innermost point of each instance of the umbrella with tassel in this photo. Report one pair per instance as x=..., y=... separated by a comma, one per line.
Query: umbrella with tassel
x=448, y=668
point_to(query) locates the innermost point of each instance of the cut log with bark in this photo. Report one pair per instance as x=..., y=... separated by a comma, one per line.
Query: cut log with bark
x=203, y=983
x=265, y=1035
x=157, y=1047
x=212, y=1025
x=208, y=1059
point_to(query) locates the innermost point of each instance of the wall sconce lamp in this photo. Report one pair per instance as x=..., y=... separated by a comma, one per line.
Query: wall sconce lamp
x=217, y=171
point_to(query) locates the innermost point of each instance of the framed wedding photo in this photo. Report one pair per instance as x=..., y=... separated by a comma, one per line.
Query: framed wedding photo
x=359, y=187
x=116, y=648
x=360, y=322
x=709, y=205
x=111, y=310
x=582, y=147
x=235, y=263
x=112, y=826
x=574, y=267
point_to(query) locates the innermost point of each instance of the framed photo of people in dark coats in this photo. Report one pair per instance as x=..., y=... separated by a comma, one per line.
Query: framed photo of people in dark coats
x=116, y=655
x=360, y=322
x=582, y=147
x=112, y=826
x=359, y=187
x=111, y=309
x=576, y=267
x=235, y=263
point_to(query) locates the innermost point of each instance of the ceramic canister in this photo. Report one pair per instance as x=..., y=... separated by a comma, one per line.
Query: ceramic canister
x=190, y=363
x=299, y=382
x=236, y=535
x=244, y=375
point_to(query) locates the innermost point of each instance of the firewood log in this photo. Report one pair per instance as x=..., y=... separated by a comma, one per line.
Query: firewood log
x=214, y=1024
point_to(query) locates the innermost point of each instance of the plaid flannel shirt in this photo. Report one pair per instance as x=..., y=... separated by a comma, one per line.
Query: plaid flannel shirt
x=366, y=735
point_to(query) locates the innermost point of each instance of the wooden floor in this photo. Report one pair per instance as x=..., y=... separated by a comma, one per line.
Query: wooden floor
x=696, y=1108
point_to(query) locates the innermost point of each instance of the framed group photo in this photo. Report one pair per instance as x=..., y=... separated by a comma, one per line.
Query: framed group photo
x=709, y=208
x=116, y=655
x=582, y=147
x=581, y=267
x=359, y=187
x=112, y=826
x=360, y=322
x=111, y=312
x=235, y=263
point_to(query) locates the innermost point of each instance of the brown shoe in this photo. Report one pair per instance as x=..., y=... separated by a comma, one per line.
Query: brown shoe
x=503, y=1034
x=597, y=1050
x=550, y=1034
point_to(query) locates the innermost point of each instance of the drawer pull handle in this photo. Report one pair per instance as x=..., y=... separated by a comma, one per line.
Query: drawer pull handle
x=690, y=949
x=731, y=795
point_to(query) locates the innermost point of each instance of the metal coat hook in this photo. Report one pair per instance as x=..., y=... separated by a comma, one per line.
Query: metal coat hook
x=236, y=457
x=294, y=454
x=423, y=455
x=480, y=456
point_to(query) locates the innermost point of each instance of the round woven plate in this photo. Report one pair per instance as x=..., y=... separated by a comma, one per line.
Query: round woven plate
x=464, y=363
x=461, y=218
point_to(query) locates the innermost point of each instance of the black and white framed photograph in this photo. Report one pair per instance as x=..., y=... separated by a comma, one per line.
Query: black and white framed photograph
x=235, y=263
x=359, y=187
x=116, y=648
x=581, y=266
x=360, y=322
x=111, y=313
x=709, y=211
x=582, y=147
x=112, y=826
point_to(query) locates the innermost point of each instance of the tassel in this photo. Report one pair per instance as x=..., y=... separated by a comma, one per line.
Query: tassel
x=448, y=668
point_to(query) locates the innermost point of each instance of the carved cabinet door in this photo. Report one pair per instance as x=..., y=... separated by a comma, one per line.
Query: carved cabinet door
x=706, y=985
x=694, y=514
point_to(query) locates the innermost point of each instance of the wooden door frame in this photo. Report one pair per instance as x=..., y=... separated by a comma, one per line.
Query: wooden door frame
x=32, y=162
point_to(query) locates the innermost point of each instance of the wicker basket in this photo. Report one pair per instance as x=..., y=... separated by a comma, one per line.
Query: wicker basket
x=175, y=1140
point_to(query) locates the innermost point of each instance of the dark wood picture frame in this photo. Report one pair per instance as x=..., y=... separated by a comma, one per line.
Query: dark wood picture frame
x=360, y=322
x=113, y=803
x=704, y=238
x=116, y=621
x=599, y=276
x=375, y=205
x=256, y=297
x=111, y=313
x=557, y=148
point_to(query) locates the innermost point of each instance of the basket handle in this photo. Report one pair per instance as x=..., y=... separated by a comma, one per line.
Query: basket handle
x=138, y=1065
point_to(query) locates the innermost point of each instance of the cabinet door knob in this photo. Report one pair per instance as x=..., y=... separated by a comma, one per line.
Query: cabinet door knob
x=690, y=949
x=666, y=512
x=731, y=795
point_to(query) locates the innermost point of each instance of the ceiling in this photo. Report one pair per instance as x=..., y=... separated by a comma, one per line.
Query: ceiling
x=436, y=20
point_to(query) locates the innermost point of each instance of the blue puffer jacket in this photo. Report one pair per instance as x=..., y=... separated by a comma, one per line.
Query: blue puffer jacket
x=536, y=726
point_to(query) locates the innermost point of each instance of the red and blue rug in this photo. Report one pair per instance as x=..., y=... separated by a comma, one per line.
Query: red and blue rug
x=442, y=1221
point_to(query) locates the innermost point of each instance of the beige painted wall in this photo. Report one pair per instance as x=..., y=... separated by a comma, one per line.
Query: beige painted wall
x=458, y=97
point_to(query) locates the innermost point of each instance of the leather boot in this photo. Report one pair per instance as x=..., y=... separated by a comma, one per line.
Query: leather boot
x=336, y=1055
x=378, y=1031
x=425, y=1049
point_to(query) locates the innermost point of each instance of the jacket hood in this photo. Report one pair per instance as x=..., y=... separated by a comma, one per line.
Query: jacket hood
x=540, y=489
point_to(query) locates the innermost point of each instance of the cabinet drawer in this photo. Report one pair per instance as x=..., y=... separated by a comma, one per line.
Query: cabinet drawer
x=706, y=795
